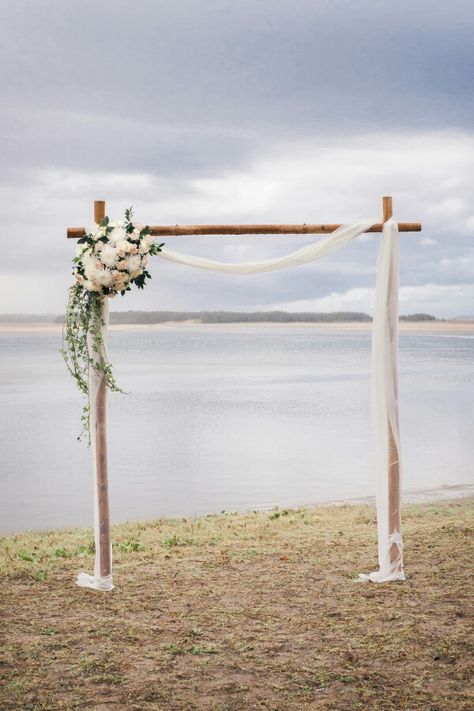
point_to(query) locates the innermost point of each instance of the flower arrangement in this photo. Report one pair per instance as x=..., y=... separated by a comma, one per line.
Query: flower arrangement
x=108, y=261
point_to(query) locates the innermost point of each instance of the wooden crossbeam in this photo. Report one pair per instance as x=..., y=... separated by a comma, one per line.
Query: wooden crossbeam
x=210, y=230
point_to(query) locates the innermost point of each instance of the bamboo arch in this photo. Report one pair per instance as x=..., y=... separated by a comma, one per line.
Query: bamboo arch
x=101, y=463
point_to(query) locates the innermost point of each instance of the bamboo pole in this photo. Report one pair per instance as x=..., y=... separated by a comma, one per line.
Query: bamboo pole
x=206, y=230
x=394, y=512
x=101, y=454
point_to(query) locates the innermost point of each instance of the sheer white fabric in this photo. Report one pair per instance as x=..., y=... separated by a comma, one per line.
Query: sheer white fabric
x=84, y=580
x=306, y=254
x=384, y=363
x=385, y=399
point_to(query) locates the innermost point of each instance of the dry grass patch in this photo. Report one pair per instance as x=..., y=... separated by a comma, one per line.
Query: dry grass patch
x=242, y=611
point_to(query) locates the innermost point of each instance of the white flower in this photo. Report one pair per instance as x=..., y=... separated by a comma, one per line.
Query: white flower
x=134, y=265
x=103, y=277
x=108, y=255
x=117, y=235
x=89, y=286
x=123, y=247
x=135, y=235
x=99, y=232
x=145, y=244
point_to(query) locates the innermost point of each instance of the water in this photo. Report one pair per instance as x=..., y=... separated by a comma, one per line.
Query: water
x=226, y=418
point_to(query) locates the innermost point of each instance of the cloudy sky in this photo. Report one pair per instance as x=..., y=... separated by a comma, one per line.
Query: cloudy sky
x=239, y=110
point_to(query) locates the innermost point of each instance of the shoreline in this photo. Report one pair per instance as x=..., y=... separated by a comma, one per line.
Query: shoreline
x=441, y=494
x=346, y=326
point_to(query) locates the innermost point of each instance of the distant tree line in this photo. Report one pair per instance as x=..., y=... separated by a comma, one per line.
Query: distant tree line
x=149, y=317
x=418, y=317
x=235, y=316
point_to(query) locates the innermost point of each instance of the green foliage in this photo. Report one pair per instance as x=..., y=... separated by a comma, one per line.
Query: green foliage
x=87, y=550
x=62, y=553
x=173, y=649
x=49, y=631
x=84, y=348
x=130, y=546
x=83, y=345
x=199, y=651
x=175, y=540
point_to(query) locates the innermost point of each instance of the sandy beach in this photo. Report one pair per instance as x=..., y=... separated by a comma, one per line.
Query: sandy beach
x=242, y=611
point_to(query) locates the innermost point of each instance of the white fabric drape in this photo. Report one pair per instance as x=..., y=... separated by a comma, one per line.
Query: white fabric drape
x=385, y=414
x=84, y=580
x=384, y=363
x=306, y=254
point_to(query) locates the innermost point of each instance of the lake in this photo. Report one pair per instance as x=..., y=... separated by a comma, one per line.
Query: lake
x=226, y=418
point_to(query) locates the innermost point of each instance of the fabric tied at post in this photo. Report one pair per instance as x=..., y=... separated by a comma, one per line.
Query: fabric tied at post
x=84, y=580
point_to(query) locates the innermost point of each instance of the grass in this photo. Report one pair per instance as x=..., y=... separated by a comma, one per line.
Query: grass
x=242, y=611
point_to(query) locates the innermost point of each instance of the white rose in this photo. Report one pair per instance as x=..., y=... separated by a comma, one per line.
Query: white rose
x=135, y=235
x=123, y=247
x=145, y=244
x=89, y=286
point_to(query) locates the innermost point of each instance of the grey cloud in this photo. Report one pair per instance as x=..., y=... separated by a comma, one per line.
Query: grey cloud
x=289, y=67
x=140, y=101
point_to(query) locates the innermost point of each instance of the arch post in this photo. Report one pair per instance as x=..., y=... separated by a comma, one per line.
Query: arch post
x=101, y=464
x=394, y=506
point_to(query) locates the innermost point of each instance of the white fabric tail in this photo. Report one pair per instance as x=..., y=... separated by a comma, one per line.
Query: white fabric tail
x=385, y=401
x=96, y=581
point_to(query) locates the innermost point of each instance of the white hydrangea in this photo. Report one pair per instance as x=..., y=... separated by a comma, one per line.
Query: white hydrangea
x=134, y=264
x=89, y=286
x=123, y=247
x=109, y=256
x=88, y=258
x=117, y=234
x=103, y=277
x=145, y=244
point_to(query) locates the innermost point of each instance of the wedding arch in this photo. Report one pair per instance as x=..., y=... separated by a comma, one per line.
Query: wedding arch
x=384, y=370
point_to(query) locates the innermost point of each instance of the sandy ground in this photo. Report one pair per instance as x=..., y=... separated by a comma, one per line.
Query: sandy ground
x=243, y=611
x=420, y=327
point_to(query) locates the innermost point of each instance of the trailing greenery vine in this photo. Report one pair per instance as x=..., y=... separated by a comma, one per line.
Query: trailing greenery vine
x=108, y=261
